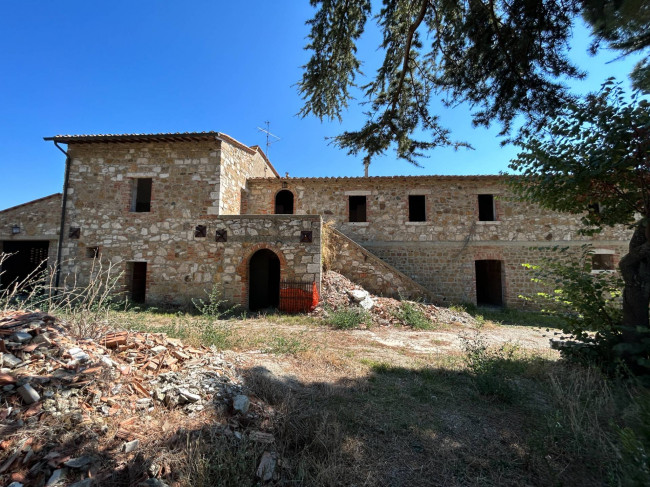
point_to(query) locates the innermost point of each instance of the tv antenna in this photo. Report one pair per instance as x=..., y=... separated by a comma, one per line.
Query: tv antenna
x=269, y=136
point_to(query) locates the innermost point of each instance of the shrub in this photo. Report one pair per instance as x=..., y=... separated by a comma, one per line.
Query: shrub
x=491, y=368
x=411, y=315
x=215, y=307
x=587, y=305
x=348, y=318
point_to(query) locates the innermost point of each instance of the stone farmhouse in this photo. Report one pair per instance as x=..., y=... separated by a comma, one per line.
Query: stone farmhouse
x=177, y=213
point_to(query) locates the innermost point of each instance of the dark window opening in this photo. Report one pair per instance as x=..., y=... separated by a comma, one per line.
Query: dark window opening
x=141, y=202
x=489, y=284
x=486, y=211
x=27, y=260
x=137, y=281
x=602, y=262
x=92, y=252
x=417, y=208
x=264, y=280
x=284, y=202
x=357, y=208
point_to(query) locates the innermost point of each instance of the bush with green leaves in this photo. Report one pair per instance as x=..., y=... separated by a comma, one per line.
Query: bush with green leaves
x=349, y=318
x=491, y=368
x=587, y=304
x=411, y=315
x=215, y=307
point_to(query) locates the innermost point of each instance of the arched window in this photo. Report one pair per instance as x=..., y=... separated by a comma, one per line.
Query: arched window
x=284, y=202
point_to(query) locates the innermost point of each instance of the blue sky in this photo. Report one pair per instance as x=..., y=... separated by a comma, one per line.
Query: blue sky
x=85, y=67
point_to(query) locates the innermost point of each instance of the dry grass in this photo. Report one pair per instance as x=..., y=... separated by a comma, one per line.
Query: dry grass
x=356, y=408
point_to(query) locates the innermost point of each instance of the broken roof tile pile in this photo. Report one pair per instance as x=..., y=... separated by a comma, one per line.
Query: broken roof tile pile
x=338, y=292
x=110, y=390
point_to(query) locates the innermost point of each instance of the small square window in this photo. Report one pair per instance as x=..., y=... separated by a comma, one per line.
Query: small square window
x=201, y=231
x=92, y=252
x=602, y=262
x=486, y=212
x=141, y=195
x=417, y=208
x=357, y=208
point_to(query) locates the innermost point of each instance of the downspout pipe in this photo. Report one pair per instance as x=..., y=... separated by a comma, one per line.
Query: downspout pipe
x=64, y=201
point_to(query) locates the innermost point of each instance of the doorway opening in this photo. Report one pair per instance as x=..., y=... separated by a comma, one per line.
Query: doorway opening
x=264, y=280
x=284, y=202
x=28, y=259
x=136, y=273
x=489, y=282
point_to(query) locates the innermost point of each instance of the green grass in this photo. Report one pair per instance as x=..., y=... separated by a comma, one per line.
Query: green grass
x=348, y=318
x=409, y=314
x=287, y=345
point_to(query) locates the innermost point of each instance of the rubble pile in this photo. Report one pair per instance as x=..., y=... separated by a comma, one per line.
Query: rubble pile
x=339, y=292
x=112, y=389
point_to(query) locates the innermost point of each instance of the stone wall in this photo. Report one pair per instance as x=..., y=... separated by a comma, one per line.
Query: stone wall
x=440, y=252
x=38, y=220
x=237, y=165
x=447, y=268
x=451, y=209
x=374, y=274
x=299, y=261
x=192, y=182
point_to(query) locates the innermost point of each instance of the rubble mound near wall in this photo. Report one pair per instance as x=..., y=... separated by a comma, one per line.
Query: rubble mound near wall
x=339, y=292
x=82, y=411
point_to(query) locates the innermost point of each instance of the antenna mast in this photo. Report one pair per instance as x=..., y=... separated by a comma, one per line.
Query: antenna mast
x=269, y=136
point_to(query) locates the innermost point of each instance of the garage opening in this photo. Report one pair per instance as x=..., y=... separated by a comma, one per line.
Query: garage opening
x=264, y=280
x=284, y=202
x=136, y=275
x=28, y=259
x=489, y=282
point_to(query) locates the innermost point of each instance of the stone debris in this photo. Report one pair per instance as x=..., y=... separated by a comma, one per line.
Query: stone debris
x=266, y=468
x=241, y=404
x=110, y=387
x=131, y=446
x=338, y=292
x=29, y=395
x=57, y=477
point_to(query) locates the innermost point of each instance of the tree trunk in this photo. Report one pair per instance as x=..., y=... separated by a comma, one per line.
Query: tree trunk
x=635, y=269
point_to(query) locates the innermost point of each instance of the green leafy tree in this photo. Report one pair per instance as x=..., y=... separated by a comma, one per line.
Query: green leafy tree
x=504, y=57
x=594, y=160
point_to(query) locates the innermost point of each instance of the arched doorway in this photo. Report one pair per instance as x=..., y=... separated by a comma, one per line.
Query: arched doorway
x=284, y=202
x=264, y=280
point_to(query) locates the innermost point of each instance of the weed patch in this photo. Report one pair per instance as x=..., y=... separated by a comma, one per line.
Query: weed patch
x=411, y=315
x=286, y=345
x=492, y=368
x=349, y=318
x=215, y=306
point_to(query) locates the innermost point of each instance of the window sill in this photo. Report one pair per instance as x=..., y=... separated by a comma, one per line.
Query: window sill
x=491, y=222
x=417, y=223
x=359, y=224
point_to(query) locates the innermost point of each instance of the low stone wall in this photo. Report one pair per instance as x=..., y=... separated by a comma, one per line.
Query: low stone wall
x=361, y=266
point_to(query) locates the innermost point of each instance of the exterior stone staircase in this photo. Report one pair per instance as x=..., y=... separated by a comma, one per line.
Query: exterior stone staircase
x=358, y=264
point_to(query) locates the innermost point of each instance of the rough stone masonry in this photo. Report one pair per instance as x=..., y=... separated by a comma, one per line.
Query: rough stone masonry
x=176, y=214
